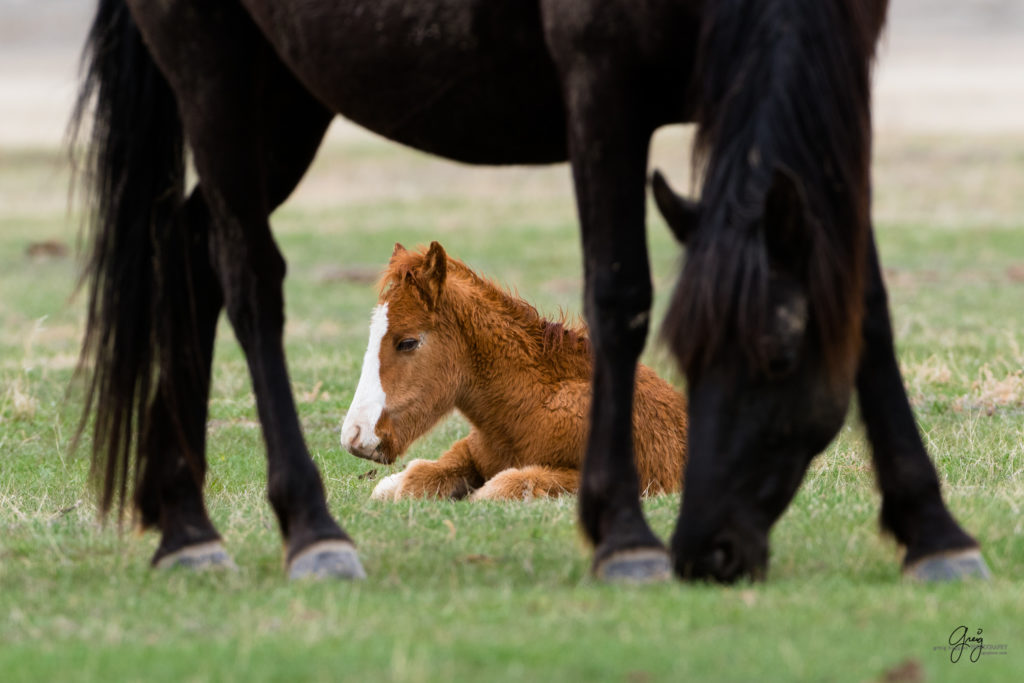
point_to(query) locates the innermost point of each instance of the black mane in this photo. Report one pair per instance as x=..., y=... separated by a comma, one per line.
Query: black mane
x=784, y=86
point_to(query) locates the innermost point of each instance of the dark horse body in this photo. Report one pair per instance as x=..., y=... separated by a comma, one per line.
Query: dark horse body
x=252, y=85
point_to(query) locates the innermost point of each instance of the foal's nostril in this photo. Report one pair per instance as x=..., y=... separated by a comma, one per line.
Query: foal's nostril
x=350, y=438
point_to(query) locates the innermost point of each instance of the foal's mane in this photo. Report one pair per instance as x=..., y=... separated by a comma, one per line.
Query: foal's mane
x=481, y=300
x=784, y=86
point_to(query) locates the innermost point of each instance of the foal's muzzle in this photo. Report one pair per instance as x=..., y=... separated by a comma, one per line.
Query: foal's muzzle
x=376, y=455
x=362, y=442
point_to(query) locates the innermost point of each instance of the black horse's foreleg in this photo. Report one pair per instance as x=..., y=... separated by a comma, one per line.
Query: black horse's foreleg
x=608, y=151
x=169, y=494
x=252, y=273
x=912, y=506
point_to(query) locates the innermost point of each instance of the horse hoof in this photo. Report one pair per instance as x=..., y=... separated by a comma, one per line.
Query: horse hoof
x=952, y=566
x=199, y=557
x=327, y=559
x=643, y=565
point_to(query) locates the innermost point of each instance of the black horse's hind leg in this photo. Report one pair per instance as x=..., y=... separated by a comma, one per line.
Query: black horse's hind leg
x=170, y=491
x=253, y=130
x=912, y=506
x=608, y=150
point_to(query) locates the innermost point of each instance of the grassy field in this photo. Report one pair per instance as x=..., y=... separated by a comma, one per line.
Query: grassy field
x=500, y=591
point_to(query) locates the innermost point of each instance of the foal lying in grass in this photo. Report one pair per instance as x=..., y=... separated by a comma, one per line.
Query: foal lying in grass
x=443, y=338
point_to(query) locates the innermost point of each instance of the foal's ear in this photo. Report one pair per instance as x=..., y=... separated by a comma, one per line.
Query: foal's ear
x=398, y=251
x=681, y=214
x=787, y=221
x=432, y=276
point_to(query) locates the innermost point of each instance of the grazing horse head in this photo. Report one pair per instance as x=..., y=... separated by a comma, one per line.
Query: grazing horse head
x=766, y=317
x=411, y=373
x=763, y=398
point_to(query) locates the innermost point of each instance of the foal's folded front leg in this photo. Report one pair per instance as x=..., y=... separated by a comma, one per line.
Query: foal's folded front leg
x=453, y=475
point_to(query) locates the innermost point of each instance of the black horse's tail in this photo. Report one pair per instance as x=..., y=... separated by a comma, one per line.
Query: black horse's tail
x=134, y=171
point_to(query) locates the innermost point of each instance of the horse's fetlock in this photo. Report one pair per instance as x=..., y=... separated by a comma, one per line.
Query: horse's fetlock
x=289, y=489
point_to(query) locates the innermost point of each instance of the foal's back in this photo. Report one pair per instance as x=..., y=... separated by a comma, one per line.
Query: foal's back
x=554, y=393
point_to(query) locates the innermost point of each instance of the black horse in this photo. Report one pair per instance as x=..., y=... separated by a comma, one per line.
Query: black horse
x=780, y=310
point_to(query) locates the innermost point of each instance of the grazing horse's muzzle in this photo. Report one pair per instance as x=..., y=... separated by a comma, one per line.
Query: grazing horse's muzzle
x=732, y=554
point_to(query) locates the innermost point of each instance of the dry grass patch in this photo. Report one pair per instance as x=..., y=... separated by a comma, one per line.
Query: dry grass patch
x=990, y=392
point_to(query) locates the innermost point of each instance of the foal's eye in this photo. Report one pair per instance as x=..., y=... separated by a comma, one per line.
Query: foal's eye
x=407, y=344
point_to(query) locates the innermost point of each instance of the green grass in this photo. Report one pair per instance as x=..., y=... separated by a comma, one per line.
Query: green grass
x=495, y=591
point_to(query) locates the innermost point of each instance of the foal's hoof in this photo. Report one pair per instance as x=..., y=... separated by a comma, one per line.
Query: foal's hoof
x=199, y=557
x=952, y=566
x=642, y=565
x=327, y=559
x=388, y=487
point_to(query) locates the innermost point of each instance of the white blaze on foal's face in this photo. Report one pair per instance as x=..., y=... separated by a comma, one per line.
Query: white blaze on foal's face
x=358, y=433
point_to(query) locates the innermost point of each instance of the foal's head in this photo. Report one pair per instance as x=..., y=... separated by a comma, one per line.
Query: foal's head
x=412, y=370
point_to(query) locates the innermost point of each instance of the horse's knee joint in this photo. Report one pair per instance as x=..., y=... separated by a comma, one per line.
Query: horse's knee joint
x=619, y=317
x=254, y=307
x=614, y=291
x=613, y=294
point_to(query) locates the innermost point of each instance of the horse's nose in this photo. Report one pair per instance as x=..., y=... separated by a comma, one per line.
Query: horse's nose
x=730, y=555
x=350, y=439
x=359, y=439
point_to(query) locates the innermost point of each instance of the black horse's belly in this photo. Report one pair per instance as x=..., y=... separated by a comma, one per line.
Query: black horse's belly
x=484, y=117
x=470, y=80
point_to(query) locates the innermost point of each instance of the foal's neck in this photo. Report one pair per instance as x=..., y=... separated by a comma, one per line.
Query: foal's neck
x=516, y=357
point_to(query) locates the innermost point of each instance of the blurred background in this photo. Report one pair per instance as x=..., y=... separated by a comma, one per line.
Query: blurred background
x=946, y=66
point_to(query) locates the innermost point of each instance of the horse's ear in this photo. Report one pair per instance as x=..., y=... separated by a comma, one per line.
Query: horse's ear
x=433, y=273
x=398, y=251
x=787, y=221
x=681, y=214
